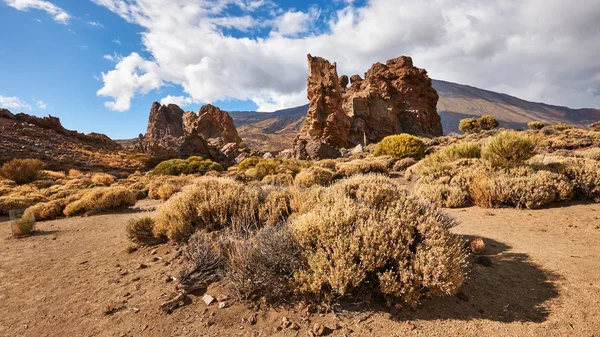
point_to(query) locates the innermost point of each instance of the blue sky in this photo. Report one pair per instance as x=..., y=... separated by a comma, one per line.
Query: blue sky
x=99, y=64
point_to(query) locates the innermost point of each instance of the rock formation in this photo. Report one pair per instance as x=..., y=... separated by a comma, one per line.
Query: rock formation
x=393, y=98
x=173, y=133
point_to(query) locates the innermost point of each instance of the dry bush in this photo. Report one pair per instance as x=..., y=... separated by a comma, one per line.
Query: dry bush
x=264, y=265
x=443, y=195
x=103, y=179
x=361, y=166
x=487, y=122
x=562, y=127
x=508, y=149
x=469, y=125
x=595, y=126
x=400, y=146
x=314, y=176
x=166, y=191
x=204, y=261
x=396, y=248
x=73, y=173
x=442, y=159
x=585, y=176
x=139, y=231
x=22, y=171
x=209, y=204
x=276, y=207
x=54, y=175
x=278, y=179
x=403, y=164
x=326, y=163
x=101, y=199
x=13, y=202
x=54, y=208
x=257, y=168
x=192, y=165
x=535, y=125
x=163, y=187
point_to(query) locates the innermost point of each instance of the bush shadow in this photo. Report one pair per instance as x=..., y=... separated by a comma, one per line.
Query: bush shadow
x=512, y=289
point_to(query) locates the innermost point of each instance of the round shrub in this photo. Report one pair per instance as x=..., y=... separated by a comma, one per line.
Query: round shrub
x=103, y=179
x=22, y=171
x=488, y=122
x=535, y=125
x=562, y=126
x=139, y=230
x=101, y=199
x=192, y=165
x=398, y=249
x=595, y=126
x=469, y=125
x=508, y=149
x=314, y=176
x=400, y=146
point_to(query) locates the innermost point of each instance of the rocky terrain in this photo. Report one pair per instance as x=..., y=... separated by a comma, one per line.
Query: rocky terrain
x=395, y=97
x=25, y=136
x=275, y=130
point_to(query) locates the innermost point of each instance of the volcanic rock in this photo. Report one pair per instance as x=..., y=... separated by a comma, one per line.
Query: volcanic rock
x=395, y=97
x=216, y=126
x=5, y=113
x=164, y=120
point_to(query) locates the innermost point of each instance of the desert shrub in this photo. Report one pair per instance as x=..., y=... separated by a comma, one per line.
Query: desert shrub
x=508, y=149
x=469, y=125
x=49, y=210
x=361, y=166
x=400, y=146
x=163, y=187
x=595, y=126
x=403, y=164
x=535, y=125
x=264, y=265
x=326, y=163
x=209, y=204
x=101, y=199
x=278, y=179
x=585, y=176
x=103, y=179
x=562, y=126
x=276, y=207
x=314, y=176
x=73, y=173
x=54, y=174
x=442, y=159
x=443, y=195
x=165, y=191
x=249, y=162
x=139, y=231
x=192, y=165
x=487, y=122
x=204, y=261
x=12, y=202
x=22, y=171
x=398, y=250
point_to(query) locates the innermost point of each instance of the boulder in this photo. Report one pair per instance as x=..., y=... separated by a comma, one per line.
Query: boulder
x=216, y=126
x=164, y=120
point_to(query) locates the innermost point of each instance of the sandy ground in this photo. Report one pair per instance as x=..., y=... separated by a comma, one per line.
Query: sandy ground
x=544, y=281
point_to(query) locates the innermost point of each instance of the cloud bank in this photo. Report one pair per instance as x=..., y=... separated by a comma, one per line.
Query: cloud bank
x=254, y=50
x=58, y=14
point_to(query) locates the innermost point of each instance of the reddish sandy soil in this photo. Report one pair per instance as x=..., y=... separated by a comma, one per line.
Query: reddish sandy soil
x=544, y=281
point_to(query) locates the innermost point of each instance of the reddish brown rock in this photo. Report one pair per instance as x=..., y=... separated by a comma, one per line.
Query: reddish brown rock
x=5, y=113
x=394, y=98
x=164, y=120
x=216, y=126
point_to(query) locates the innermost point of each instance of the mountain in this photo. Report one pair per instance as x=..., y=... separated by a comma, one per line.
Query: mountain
x=272, y=131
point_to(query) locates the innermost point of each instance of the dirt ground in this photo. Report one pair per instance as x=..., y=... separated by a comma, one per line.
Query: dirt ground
x=75, y=278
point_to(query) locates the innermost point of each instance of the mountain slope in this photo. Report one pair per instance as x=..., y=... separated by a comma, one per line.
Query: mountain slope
x=276, y=130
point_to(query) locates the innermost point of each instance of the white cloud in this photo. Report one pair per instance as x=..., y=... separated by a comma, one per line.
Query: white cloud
x=117, y=41
x=57, y=13
x=95, y=24
x=179, y=100
x=524, y=47
x=113, y=58
x=132, y=74
x=13, y=102
x=41, y=104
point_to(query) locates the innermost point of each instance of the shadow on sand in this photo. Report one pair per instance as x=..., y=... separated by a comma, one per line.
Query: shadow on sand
x=512, y=289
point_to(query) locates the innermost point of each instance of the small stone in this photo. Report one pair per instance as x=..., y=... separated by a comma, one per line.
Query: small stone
x=318, y=329
x=208, y=299
x=155, y=259
x=477, y=246
x=143, y=266
x=223, y=305
x=153, y=252
x=295, y=326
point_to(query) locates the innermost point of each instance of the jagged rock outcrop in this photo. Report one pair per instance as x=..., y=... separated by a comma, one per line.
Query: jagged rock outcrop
x=173, y=133
x=5, y=113
x=395, y=97
x=326, y=126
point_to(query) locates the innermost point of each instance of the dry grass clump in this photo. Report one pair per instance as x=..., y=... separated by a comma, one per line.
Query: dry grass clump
x=204, y=261
x=595, y=126
x=54, y=208
x=443, y=195
x=103, y=179
x=276, y=207
x=54, y=175
x=361, y=166
x=257, y=168
x=400, y=146
x=264, y=265
x=326, y=163
x=209, y=204
x=585, y=176
x=403, y=164
x=535, y=125
x=278, y=179
x=139, y=230
x=562, y=126
x=508, y=149
x=73, y=173
x=442, y=159
x=314, y=176
x=22, y=171
x=163, y=187
x=192, y=165
x=570, y=139
x=101, y=199
x=394, y=248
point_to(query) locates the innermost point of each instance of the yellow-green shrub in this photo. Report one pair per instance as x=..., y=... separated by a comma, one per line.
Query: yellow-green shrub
x=22, y=171
x=101, y=199
x=400, y=146
x=398, y=249
x=469, y=125
x=442, y=159
x=361, y=166
x=508, y=149
x=192, y=165
x=487, y=122
x=562, y=126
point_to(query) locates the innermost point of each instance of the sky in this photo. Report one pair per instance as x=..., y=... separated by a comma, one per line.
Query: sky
x=99, y=64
